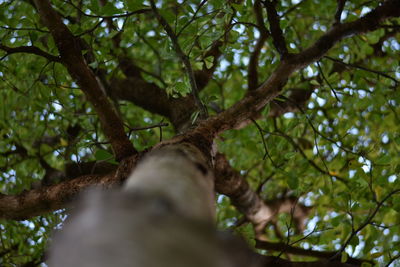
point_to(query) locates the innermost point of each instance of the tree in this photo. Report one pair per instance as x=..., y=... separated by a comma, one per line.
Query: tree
x=288, y=109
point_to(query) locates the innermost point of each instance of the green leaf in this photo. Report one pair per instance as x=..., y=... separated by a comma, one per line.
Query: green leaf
x=383, y=160
x=94, y=6
x=181, y=87
x=289, y=155
x=344, y=257
x=377, y=255
x=293, y=181
x=209, y=61
x=134, y=4
x=109, y=9
x=104, y=155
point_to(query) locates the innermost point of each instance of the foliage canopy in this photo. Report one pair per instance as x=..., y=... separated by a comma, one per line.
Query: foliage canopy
x=327, y=137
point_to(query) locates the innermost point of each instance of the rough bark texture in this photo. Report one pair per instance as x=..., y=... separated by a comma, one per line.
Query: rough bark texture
x=164, y=217
x=46, y=199
x=70, y=48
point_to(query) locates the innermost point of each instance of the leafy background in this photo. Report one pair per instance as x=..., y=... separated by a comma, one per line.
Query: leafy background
x=339, y=154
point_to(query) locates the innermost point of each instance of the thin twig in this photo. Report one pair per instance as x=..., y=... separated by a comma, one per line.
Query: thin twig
x=133, y=129
x=327, y=82
x=23, y=29
x=362, y=68
x=128, y=14
x=193, y=17
x=365, y=223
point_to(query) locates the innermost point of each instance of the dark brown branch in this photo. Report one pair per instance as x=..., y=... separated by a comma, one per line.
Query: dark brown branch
x=239, y=114
x=283, y=247
x=298, y=98
x=22, y=29
x=230, y=183
x=362, y=68
x=30, y=50
x=253, y=62
x=367, y=23
x=183, y=57
x=46, y=199
x=71, y=56
x=268, y=261
x=339, y=10
x=247, y=201
x=276, y=32
x=155, y=99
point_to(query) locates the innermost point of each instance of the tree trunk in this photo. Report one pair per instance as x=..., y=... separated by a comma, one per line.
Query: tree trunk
x=162, y=217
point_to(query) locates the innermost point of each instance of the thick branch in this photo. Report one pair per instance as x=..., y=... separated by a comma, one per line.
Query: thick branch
x=153, y=98
x=297, y=99
x=230, y=183
x=241, y=113
x=30, y=50
x=46, y=199
x=276, y=31
x=285, y=248
x=253, y=63
x=275, y=261
x=70, y=52
x=369, y=22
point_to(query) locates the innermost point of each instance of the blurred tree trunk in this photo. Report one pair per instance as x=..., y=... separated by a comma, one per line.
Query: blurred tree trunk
x=164, y=216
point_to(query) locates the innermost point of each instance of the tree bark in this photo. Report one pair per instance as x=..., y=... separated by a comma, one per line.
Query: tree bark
x=162, y=217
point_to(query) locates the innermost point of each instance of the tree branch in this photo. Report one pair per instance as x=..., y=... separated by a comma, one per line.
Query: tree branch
x=253, y=62
x=339, y=10
x=363, y=68
x=70, y=52
x=153, y=98
x=371, y=215
x=30, y=50
x=46, y=199
x=230, y=183
x=240, y=113
x=276, y=31
x=283, y=247
x=183, y=57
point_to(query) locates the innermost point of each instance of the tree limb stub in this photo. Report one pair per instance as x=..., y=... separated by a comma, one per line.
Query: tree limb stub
x=70, y=52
